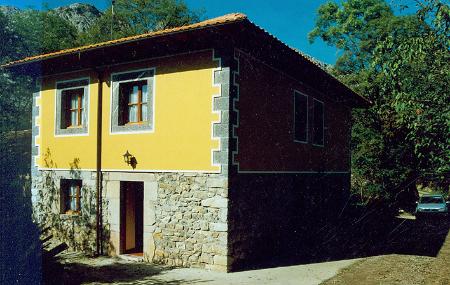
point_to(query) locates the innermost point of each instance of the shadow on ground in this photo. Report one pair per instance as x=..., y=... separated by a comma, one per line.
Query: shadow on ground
x=359, y=232
x=75, y=269
x=20, y=247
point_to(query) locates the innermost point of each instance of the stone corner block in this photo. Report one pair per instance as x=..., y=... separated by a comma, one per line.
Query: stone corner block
x=218, y=227
x=217, y=182
x=215, y=202
x=214, y=267
x=221, y=260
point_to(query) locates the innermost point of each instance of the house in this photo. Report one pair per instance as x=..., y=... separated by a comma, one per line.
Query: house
x=211, y=145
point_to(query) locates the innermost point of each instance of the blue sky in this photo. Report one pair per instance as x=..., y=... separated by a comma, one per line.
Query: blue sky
x=289, y=20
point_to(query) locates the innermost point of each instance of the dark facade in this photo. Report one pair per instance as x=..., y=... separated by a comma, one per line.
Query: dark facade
x=282, y=191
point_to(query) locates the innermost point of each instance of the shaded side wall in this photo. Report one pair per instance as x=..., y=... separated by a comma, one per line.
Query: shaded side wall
x=264, y=122
x=281, y=193
x=275, y=219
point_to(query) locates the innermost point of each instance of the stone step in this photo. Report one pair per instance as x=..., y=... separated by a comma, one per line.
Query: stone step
x=131, y=257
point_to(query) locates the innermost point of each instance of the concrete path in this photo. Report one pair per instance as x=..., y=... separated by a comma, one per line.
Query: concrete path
x=79, y=269
x=299, y=275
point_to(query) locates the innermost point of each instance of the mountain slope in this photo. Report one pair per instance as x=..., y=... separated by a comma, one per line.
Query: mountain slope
x=82, y=16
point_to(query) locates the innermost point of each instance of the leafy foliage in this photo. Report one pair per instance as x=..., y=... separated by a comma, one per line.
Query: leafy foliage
x=25, y=34
x=140, y=16
x=415, y=71
x=399, y=62
x=10, y=40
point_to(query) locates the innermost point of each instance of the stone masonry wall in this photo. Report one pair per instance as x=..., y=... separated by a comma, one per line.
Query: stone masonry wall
x=185, y=217
x=78, y=231
x=191, y=220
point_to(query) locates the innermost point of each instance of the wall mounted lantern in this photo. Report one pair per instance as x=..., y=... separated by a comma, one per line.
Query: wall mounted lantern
x=130, y=159
x=127, y=158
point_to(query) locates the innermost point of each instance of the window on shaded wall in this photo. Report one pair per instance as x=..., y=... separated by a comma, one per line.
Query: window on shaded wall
x=318, y=123
x=300, y=117
x=133, y=100
x=72, y=99
x=70, y=196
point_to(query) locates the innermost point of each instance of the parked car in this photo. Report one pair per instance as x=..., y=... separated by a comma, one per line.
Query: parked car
x=431, y=205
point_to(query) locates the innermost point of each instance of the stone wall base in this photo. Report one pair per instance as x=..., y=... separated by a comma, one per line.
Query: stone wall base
x=78, y=231
x=185, y=215
x=275, y=218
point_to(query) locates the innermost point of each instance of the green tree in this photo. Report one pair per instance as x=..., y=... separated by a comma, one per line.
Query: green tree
x=403, y=137
x=27, y=33
x=10, y=40
x=12, y=101
x=43, y=32
x=140, y=16
x=415, y=70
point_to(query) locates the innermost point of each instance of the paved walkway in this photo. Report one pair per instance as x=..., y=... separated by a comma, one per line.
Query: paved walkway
x=299, y=275
x=103, y=270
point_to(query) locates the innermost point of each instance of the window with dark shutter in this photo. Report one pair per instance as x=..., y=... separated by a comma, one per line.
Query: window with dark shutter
x=300, y=117
x=318, y=123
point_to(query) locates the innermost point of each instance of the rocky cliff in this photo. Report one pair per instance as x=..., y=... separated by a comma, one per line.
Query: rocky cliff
x=81, y=16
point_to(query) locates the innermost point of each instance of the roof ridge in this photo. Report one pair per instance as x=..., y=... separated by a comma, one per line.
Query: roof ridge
x=228, y=18
x=310, y=59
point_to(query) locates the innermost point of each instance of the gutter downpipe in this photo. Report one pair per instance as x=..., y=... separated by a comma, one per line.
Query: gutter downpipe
x=99, y=178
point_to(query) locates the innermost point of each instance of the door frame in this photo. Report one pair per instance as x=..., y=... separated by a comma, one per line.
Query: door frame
x=139, y=219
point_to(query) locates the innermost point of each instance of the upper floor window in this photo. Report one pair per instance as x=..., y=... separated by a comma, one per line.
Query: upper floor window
x=300, y=117
x=132, y=101
x=318, y=123
x=72, y=99
x=73, y=108
x=70, y=196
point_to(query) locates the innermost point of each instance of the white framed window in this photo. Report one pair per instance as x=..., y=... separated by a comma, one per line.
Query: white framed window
x=132, y=101
x=72, y=107
x=318, y=124
x=300, y=117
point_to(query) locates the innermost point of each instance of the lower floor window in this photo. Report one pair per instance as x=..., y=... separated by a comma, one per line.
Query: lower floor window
x=70, y=196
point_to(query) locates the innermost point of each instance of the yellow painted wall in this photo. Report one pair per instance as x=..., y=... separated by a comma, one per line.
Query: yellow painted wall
x=61, y=151
x=182, y=137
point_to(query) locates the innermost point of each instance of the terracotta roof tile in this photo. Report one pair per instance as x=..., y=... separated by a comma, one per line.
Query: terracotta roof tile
x=229, y=18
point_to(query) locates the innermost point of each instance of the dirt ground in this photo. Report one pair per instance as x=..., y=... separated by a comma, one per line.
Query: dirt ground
x=407, y=269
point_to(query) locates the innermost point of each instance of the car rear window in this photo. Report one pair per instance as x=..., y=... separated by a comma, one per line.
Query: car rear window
x=431, y=200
